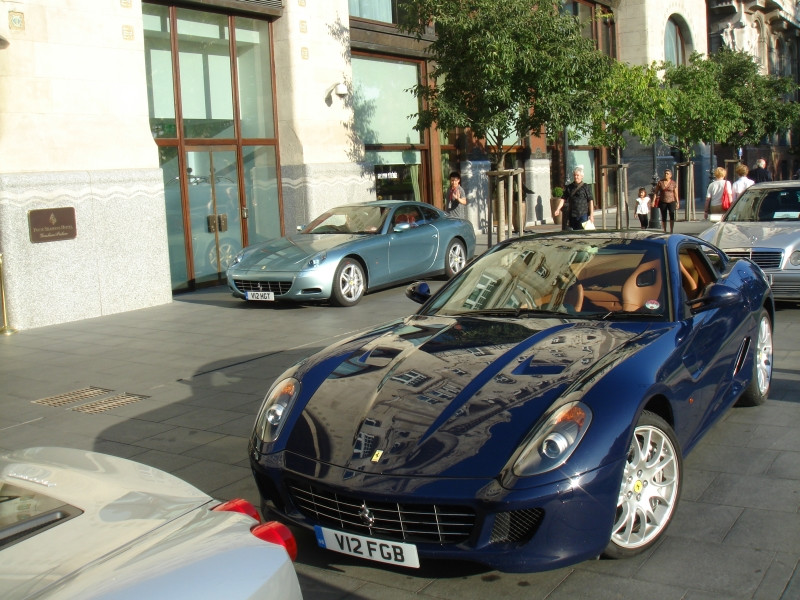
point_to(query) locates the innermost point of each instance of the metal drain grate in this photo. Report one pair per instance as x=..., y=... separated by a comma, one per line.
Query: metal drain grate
x=105, y=404
x=70, y=397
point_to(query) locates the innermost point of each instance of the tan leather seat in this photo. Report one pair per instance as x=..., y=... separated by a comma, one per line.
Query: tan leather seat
x=574, y=297
x=643, y=284
x=688, y=282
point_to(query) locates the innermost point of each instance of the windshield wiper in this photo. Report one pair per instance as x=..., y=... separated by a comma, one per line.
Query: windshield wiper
x=624, y=315
x=507, y=312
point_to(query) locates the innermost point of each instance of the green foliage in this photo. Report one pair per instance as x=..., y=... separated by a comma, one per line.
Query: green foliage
x=505, y=68
x=696, y=111
x=557, y=192
x=724, y=98
x=630, y=100
x=760, y=98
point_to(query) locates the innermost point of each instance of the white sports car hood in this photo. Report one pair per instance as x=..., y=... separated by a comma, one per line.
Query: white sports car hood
x=121, y=502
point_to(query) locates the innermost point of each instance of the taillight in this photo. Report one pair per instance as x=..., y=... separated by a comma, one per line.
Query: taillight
x=240, y=506
x=276, y=533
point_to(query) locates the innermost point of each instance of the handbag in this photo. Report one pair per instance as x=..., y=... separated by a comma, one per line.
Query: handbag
x=588, y=225
x=726, y=196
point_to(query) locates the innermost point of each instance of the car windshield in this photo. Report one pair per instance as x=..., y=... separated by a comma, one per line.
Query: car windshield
x=585, y=276
x=766, y=204
x=349, y=219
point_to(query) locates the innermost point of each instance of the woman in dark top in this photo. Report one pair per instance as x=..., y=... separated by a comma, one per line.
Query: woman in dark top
x=667, y=199
x=577, y=198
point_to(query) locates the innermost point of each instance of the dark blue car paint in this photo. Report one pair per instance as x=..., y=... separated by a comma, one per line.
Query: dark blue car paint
x=682, y=368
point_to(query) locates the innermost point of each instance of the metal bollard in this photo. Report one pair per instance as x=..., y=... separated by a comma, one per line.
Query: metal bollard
x=6, y=330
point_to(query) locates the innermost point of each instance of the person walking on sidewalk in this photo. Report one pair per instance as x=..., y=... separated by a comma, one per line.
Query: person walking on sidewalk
x=643, y=207
x=667, y=199
x=760, y=173
x=578, y=200
x=714, y=209
x=742, y=182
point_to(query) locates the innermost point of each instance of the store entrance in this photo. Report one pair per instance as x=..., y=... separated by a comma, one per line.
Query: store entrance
x=213, y=197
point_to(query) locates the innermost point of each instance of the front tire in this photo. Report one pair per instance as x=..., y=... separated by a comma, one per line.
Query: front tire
x=348, y=283
x=758, y=388
x=455, y=258
x=650, y=489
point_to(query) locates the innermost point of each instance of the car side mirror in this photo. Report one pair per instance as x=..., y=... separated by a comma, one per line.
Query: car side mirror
x=419, y=292
x=714, y=296
x=300, y=227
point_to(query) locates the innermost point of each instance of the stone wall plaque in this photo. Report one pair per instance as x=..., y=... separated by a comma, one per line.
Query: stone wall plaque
x=52, y=224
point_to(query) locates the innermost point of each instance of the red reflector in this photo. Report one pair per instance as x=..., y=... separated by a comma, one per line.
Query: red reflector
x=277, y=533
x=240, y=506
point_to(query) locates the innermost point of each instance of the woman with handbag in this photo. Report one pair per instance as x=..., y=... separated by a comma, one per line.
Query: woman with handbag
x=666, y=198
x=714, y=195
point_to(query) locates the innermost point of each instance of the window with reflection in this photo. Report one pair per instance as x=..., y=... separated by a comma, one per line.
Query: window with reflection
x=221, y=196
x=158, y=62
x=205, y=66
x=383, y=107
x=384, y=11
x=674, y=44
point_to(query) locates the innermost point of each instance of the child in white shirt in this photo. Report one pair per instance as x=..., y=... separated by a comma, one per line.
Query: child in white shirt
x=643, y=207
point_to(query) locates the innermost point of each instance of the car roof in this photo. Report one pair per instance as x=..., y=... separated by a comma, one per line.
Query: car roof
x=777, y=184
x=387, y=203
x=605, y=234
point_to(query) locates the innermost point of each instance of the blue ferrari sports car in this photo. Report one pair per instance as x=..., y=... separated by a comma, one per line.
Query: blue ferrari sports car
x=535, y=411
x=352, y=249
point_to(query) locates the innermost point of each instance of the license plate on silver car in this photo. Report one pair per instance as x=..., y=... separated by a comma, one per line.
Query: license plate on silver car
x=393, y=553
x=263, y=296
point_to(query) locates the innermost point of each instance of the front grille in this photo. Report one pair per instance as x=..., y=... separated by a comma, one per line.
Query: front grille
x=389, y=520
x=516, y=526
x=276, y=287
x=766, y=259
x=785, y=289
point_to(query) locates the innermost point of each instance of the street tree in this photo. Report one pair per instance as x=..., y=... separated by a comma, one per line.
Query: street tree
x=764, y=101
x=696, y=110
x=505, y=69
x=630, y=102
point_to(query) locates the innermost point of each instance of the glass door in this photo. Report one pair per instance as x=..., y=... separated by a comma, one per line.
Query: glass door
x=216, y=226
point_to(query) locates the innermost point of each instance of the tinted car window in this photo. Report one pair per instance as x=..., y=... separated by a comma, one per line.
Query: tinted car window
x=428, y=213
x=766, y=204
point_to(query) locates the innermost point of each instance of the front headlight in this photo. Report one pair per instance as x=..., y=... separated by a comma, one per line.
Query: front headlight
x=275, y=409
x=316, y=260
x=553, y=440
x=238, y=258
x=795, y=258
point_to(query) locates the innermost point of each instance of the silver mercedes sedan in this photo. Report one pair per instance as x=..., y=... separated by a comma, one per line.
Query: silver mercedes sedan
x=764, y=226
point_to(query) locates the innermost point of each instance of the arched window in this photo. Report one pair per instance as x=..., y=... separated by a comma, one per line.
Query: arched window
x=674, y=44
x=760, y=51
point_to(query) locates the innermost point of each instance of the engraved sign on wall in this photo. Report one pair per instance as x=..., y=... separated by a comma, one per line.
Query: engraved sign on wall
x=52, y=224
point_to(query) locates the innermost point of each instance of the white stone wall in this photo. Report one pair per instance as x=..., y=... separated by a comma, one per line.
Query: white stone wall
x=319, y=153
x=74, y=132
x=73, y=92
x=117, y=262
x=641, y=25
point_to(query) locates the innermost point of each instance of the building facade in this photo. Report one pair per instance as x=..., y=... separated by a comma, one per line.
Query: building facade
x=769, y=30
x=143, y=143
